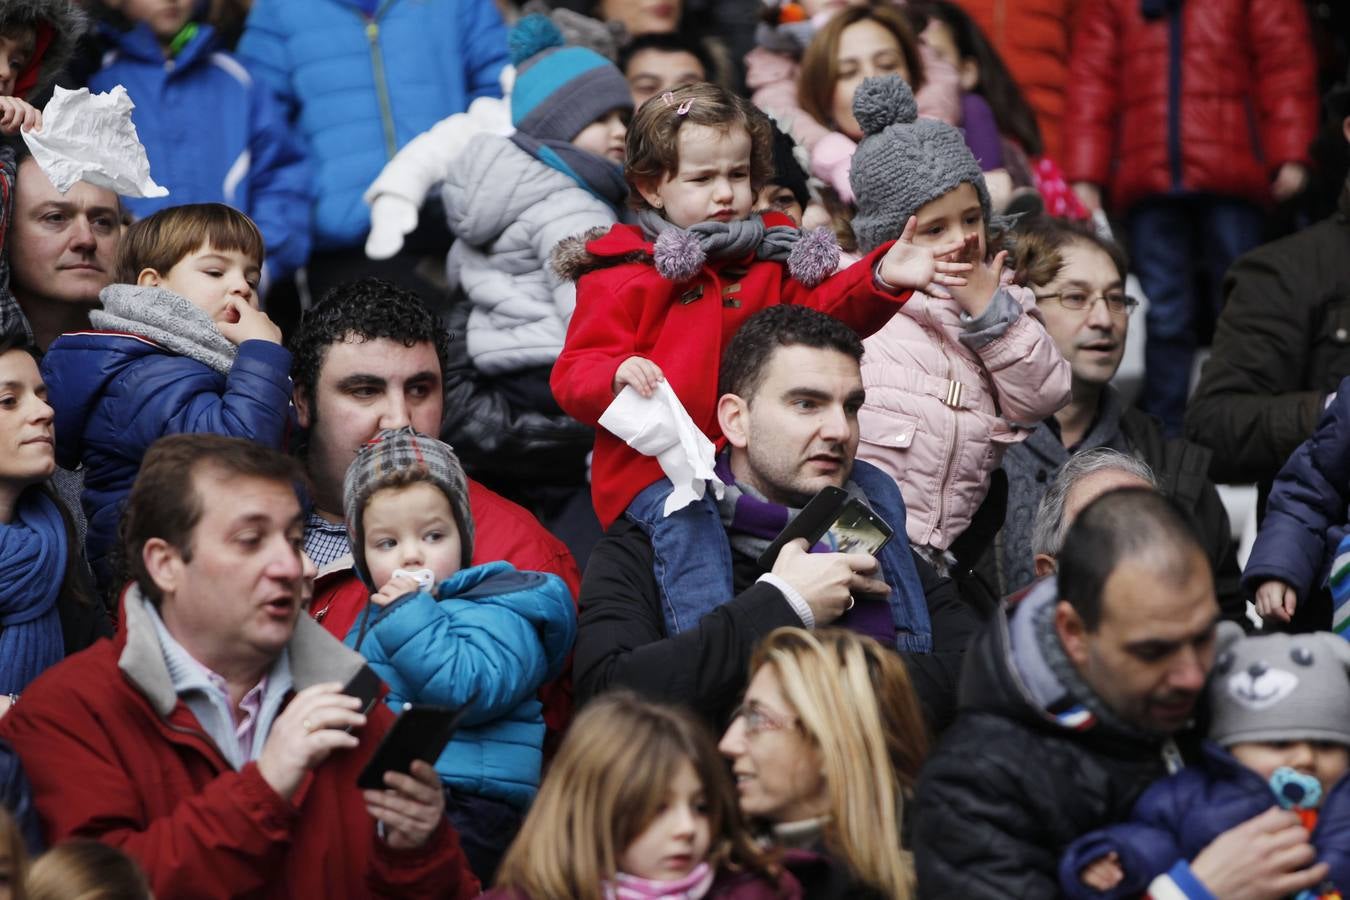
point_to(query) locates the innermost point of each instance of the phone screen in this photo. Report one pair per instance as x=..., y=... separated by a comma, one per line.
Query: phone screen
x=857, y=530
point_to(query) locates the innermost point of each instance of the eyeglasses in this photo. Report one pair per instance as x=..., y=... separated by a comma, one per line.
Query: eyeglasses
x=758, y=721
x=1118, y=303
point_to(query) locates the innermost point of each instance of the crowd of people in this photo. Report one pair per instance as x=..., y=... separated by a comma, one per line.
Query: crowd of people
x=708, y=414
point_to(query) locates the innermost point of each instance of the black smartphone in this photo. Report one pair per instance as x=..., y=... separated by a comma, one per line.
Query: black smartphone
x=419, y=732
x=844, y=523
x=365, y=686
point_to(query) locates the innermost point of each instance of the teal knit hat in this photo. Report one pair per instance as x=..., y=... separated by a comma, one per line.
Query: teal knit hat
x=559, y=90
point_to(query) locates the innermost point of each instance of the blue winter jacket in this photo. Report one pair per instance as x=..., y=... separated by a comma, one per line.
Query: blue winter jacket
x=115, y=394
x=360, y=87
x=1306, y=514
x=214, y=135
x=1179, y=816
x=489, y=637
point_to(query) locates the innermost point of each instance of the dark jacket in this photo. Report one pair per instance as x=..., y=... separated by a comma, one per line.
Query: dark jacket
x=622, y=638
x=1177, y=818
x=1281, y=345
x=1180, y=467
x=1015, y=779
x=17, y=799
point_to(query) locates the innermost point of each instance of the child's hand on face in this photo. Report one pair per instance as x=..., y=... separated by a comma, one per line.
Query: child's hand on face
x=642, y=374
x=16, y=114
x=909, y=267
x=974, y=294
x=242, y=322
x=1103, y=874
x=395, y=587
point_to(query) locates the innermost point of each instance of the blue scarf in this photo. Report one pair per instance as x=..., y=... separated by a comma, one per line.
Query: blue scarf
x=32, y=569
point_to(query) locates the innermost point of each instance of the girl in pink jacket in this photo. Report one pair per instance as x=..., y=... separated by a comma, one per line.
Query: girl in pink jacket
x=961, y=372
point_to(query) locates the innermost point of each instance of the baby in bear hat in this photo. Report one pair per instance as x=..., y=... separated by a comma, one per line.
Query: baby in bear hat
x=1279, y=735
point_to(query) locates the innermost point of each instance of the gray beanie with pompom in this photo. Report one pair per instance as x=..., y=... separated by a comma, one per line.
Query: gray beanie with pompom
x=903, y=161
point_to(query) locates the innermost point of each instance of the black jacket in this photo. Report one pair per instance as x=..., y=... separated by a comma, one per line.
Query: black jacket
x=1281, y=345
x=622, y=641
x=1009, y=787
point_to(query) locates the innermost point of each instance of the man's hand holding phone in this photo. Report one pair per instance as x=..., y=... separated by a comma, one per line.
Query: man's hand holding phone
x=828, y=581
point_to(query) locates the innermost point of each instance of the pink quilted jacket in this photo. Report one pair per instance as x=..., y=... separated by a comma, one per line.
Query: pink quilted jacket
x=940, y=414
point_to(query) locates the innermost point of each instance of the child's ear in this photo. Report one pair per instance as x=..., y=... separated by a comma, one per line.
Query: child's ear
x=149, y=278
x=647, y=188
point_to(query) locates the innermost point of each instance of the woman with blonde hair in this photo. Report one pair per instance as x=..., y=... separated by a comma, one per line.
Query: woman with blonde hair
x=825, y=750
x=637, y=805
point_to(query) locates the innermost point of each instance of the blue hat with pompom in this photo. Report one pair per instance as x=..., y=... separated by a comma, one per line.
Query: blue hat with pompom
x=559, y=90
x=903, y=161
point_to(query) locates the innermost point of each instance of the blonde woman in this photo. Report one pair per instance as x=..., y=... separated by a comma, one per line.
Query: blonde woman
x=825, y=749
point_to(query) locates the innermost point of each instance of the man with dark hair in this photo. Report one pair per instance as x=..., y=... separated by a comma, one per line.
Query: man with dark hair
x=1077, y=698
x=682, y=630
x=211, y=740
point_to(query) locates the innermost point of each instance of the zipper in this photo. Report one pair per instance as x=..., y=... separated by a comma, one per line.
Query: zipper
x=946, y=478
x=381, y=82
x=1172, y=758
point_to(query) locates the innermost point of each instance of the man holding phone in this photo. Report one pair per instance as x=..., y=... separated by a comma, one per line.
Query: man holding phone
x=211, y=740
x=672, y=606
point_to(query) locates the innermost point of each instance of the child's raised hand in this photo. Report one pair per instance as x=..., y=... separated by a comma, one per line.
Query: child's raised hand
x=641, y=374
x=981, y=283
x=907, y=266
x=1276, y=599
x=1103, y=874
x=16, y=114
x=394, y=588
x=241, y=322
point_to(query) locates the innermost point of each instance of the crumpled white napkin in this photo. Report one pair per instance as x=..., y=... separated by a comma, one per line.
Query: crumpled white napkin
x=90, y=137
x=659, y=426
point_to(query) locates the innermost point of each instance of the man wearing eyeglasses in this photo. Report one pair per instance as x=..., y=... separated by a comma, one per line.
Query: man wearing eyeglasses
x=1087, y=314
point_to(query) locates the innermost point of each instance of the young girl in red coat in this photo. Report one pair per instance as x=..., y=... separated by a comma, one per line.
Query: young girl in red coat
x=661, y=300
x=638, y=806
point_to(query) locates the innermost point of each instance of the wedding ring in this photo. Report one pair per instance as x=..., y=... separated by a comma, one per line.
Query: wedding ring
x=309, y=726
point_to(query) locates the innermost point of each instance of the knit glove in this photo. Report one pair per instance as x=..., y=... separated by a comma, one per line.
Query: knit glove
x=391, y=217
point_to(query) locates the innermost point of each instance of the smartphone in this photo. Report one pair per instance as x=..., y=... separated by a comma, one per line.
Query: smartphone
x=365, y=686
x=419, y=732
x=843, y=523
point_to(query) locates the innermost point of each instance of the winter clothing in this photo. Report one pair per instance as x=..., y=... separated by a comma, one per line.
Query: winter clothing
x=34, y=547
x=12, y=319
x=16, y=797
x=244, y=152
x=1209, y=98
x=946, y=395
x=1033, y=760
x=1339, y=582
x=560, y=90
x=727, y=885
x=980, y=131
x=153, y=783
x=397, y=452
x=488, y=638
x=1281, y=346
x=903, y=162
x=508, y=211
x=116, y=392
x=626, y=308
x=361, y=85
x=1179, y=465
x=58, y=26
x=787, y=170
x=624, y=639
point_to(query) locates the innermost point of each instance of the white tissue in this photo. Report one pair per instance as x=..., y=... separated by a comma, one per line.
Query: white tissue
x=659, y=426
x=90, y=137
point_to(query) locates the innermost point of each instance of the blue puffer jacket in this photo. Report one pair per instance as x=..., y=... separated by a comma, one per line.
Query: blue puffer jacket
x=1307, y=510
x=491, y=636
x=240, y=150
x=1179, y=816
x=362, y=86
x=115, y=394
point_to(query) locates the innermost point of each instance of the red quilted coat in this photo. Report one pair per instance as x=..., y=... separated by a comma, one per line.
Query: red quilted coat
x=1211, y=98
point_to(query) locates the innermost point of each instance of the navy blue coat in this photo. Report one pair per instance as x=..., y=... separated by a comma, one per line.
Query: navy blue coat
x=116, y=394
x=1179, y=816
x=1307, y=510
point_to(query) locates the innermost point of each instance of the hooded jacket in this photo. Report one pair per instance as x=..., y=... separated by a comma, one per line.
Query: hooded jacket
x=1025, y=769
x=488, y=639
x=243, y=151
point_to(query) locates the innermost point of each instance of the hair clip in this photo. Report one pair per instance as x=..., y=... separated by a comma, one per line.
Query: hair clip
x=668, y=98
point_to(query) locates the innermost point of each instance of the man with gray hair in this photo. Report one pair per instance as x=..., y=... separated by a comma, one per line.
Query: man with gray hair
x=1084, y=478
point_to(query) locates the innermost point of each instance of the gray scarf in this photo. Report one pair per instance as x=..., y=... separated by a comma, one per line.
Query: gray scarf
x=167, y=319
x=679, y=253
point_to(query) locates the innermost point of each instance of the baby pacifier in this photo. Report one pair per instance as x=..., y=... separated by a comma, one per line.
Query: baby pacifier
x=425, y=578
x=1295, y=790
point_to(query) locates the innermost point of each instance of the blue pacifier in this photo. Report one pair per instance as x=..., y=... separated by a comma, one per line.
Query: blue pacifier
x=1294, y=790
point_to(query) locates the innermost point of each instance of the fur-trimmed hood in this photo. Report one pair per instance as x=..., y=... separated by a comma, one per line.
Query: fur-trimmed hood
x=59, y=25
x=574, y=256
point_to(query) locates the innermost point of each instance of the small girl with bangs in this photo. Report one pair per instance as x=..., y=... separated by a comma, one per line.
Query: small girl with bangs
x=965, y=369
x=661, y=300
x=637, y=804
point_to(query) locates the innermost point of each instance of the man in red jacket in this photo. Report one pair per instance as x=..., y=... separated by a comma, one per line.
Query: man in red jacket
x=210, y=739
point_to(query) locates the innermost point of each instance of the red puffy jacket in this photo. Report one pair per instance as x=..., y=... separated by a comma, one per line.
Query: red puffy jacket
x=1213, y=98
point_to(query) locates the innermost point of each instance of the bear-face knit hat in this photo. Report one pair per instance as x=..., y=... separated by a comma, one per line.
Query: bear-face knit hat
x=559, y=90
x=390, y=457
x=903, y=161
x=1280, y=687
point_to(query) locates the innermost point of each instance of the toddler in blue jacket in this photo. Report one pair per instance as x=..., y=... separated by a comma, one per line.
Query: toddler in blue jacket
x=1279, y=736
x=180, y=346
x=485, y=637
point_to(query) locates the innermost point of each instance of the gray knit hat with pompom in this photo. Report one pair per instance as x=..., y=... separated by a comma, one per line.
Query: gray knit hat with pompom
x=903, y=161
